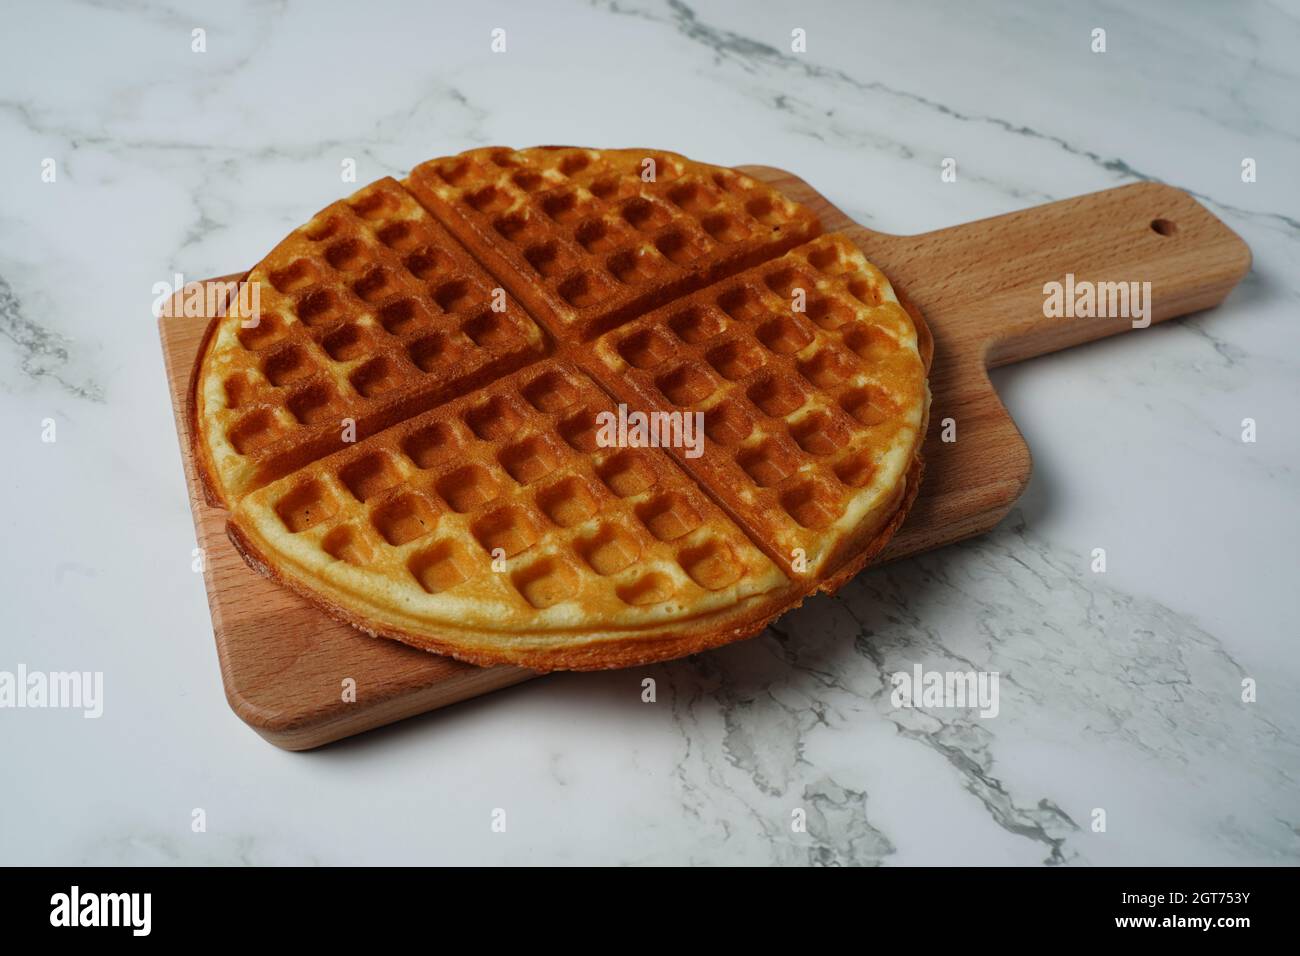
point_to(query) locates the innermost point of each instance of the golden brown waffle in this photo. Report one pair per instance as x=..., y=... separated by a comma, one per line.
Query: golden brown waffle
x=368, y=314
x=598, y=550
x=586, y=238
x=476, y=513
x=808, y=374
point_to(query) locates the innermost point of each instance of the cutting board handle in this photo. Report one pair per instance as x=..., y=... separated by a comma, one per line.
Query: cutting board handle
x=991, y=274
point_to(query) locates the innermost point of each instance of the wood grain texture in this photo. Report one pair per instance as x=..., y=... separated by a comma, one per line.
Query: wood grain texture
x=980, y=287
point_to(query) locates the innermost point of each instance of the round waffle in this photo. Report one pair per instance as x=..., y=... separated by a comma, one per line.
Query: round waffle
x=410, y=434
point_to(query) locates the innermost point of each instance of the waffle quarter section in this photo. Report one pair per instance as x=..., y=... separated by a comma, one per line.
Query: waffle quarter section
x=495, y=528
x=588, y=238
x=813, y=394
x=366, y=315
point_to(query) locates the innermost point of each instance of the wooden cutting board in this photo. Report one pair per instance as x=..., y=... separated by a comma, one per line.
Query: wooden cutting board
x=980, y=287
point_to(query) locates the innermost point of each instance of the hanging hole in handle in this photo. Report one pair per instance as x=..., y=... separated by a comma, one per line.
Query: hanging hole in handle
x=1164, y=227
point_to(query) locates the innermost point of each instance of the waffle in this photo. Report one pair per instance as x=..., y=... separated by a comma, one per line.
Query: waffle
x=584, y=239
x=368, y=314
x=471, y=507
x=813, y=415
x=602, y=555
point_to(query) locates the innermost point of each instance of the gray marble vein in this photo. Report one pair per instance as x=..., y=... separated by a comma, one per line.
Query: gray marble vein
x=41, y=352
x=757, y=57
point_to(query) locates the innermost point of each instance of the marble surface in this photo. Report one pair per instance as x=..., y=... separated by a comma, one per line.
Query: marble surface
x=1119, y=691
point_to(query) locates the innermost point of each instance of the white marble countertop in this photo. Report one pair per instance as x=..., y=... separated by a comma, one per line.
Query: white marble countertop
x=1119, y=691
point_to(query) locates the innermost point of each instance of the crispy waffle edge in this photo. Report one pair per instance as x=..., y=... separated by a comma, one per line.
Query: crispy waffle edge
x=597, y=653
x=199, y=452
